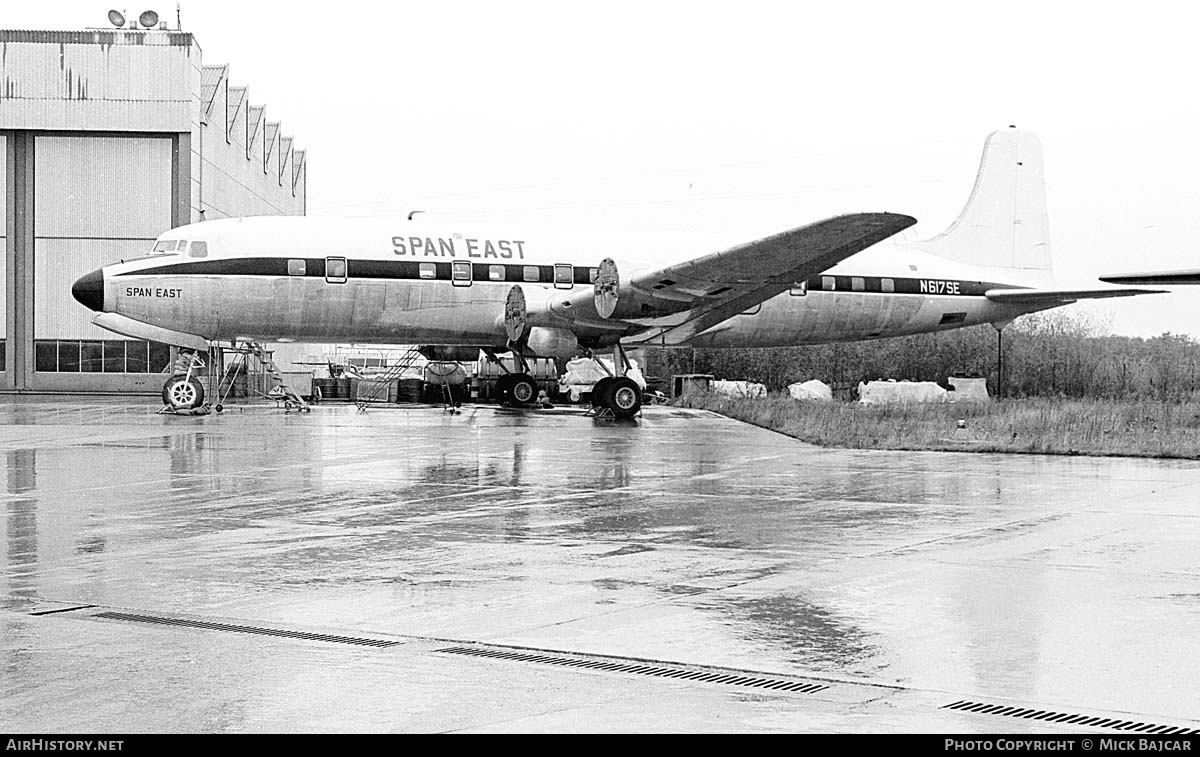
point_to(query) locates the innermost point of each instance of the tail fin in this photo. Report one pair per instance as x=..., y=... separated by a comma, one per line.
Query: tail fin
x=1004, y=224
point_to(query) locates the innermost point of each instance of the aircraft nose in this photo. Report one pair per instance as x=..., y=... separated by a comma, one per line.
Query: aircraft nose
x=89, y=290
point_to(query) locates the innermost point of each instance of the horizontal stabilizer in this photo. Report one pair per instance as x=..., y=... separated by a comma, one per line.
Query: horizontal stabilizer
x=1059, y=296
x=1161, y=278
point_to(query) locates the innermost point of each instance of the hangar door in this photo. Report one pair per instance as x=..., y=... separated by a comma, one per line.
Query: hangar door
x=97, y=199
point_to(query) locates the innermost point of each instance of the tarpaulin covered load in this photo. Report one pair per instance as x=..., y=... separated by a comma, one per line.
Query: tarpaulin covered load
x=583, y=373
x=811, y=390
x=884, y=392
x=969, y=389
x=739, y=389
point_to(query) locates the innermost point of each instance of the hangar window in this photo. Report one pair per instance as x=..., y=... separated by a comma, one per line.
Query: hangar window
x=95, y=356
x=531, y=273
x=198, y=250
x=564, y=276
x=887, y=285
x=496, y=272
x=460, y=273
x=858, y=284
x=828, y=283
x=428, y=271
x=335, y=270
x=295, y=267
x=799, y=289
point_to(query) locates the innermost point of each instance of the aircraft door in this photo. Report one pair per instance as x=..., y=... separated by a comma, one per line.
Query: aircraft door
x=335, y=270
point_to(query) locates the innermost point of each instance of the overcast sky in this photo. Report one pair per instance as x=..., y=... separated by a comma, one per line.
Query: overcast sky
x=744, y=117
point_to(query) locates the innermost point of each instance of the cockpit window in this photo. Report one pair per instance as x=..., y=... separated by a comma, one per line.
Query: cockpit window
x=198, y=250
x=169, y=245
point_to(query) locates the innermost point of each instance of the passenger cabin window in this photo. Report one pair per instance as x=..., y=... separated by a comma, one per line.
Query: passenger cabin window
x=828, y=283
x=198, y=250
x=335, y=270
x=887, y=285
x=799, y=289
x=531, y=273
x=296, y=267
x=460, y=273
x=428, y=271
x=564, y=276
x=858, y=284
x=496, y=273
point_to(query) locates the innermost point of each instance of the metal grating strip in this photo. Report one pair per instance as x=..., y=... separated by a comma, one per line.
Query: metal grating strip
x=730, y=679
x=209, y=626
x=61, y=609
x=983, y=708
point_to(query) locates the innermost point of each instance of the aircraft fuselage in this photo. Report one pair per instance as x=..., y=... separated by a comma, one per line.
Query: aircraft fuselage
x=259, y=279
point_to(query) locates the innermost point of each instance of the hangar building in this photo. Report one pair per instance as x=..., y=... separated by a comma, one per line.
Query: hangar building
x=111, y=137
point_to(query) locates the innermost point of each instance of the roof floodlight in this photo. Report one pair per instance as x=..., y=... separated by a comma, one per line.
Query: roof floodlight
x=148, y=19
x=116, y=18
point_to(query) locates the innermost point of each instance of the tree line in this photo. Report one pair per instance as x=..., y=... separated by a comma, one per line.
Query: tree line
x=1058, y=353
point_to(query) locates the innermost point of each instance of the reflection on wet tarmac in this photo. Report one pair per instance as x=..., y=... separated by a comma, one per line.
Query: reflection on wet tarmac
x=684, y=537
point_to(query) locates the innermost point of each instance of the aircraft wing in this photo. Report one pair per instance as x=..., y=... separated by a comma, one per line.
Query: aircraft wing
x=1060, y=296
x=1162, y=278
x=672, y=303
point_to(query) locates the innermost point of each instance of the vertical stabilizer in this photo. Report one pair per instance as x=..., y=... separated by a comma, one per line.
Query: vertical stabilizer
x=1004, y=224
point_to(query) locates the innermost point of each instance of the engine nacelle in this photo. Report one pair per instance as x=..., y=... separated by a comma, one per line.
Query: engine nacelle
x=612, y=300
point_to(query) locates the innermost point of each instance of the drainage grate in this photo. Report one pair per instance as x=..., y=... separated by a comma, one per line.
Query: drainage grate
x=731, y=679
x=247, y=629
x=1047, y=716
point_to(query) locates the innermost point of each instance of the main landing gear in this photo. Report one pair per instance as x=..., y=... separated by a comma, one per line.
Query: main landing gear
x=617, y=396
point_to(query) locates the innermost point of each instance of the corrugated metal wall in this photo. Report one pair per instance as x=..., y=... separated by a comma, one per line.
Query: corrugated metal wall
x=4, y=239
x=96, y=200
x=96, y=81
x=235, y=178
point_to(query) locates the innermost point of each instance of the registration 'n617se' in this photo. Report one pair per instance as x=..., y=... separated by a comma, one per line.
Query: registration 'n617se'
x=939, y=286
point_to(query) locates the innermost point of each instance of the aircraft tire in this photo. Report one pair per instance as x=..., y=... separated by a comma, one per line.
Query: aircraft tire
x=182, y=393
x=624, y=397
x=523, y=390
x=599, y=392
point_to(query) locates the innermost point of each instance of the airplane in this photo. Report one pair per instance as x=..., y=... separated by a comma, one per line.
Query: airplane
x=556, y=292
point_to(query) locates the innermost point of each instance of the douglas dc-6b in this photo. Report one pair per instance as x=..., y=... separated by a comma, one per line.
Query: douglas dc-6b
x=554, y=292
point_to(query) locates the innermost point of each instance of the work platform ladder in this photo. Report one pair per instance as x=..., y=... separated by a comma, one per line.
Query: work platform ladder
x=371, y=391
x=281, y=391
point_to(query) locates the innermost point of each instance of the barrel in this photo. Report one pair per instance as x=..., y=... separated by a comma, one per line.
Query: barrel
x=325, y=387
x=409, y=390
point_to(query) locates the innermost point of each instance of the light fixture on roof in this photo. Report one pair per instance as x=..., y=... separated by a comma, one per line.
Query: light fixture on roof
x=116, y=18
x=148, y=19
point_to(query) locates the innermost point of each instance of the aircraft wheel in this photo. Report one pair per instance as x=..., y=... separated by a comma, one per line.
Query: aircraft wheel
x=599, y=392
x=182, y=393
x=624, y=397
x=523, y=390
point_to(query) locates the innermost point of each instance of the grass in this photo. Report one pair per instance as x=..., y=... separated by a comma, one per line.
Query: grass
x=1045, y=426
